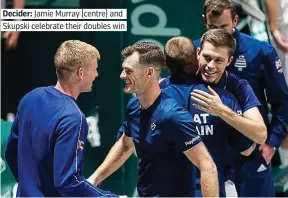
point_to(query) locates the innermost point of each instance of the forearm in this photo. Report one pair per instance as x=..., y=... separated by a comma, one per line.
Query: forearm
x=209, y=181
x=114, y=160
x=201, y=158
x=18, y=4
x=254, y=130
x=272, y=7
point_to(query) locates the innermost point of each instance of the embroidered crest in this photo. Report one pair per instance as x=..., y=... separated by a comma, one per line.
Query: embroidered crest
x=240, y=63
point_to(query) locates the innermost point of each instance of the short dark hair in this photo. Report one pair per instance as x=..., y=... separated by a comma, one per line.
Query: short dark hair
x=219, y=38
x=180, y=54
x=149, y=54
x=216, y=7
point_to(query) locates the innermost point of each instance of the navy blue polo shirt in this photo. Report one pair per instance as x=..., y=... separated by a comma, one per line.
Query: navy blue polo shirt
x=258, y=62
x=161, y=133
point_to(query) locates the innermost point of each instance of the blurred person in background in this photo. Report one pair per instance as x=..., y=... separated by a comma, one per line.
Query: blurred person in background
x=9, y=54
x=11, y=37
x=277, y=13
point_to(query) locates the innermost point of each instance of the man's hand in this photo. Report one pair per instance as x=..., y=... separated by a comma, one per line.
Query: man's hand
x=280, y=41
x=267, y=152
x=210, y=103
x=11, y=39
x=94, y=180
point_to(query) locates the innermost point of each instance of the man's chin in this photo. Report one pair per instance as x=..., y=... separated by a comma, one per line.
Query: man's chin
x=208, y=80
x=87, y=90
x=128, y=91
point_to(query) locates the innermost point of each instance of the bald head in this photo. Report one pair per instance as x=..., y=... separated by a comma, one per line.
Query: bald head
x=180, y=55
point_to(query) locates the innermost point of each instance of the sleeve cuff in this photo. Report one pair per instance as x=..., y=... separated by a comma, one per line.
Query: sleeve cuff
x=190, y=144
x=274, y=141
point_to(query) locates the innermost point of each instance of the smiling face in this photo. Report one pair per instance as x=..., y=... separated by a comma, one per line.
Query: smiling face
x=141, y=66
x=89, y=74
x=212, y=62
x=215, y=54
x=133, y=74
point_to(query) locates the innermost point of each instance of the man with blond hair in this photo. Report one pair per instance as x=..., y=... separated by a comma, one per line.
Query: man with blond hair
x=46, y=143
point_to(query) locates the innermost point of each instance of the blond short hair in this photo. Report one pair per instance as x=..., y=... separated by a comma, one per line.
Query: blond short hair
x=71, y=55
x=180, y=54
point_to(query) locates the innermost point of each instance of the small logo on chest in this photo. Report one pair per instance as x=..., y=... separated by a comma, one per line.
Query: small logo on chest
x=240, y=63
x=278, y=66
x=153, y=126
x=80, y=145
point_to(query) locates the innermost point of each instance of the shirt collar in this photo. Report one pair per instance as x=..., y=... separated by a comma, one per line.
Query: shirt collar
x=182, y=79
x=240, y=45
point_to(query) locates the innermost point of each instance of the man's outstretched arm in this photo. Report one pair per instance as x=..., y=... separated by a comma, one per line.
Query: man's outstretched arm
x=117, y=155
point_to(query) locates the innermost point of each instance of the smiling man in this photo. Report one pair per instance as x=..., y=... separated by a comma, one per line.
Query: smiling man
x=162, y=133
x=216, y=134
x=45, y=149
x=258, y=63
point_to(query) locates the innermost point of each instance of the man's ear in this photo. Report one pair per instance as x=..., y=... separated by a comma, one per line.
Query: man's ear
x=165, y=66
x=80, y=72
x=203, y=18
x=230, y=60
x=198, y=53
x=151, y=71
x=235, y=21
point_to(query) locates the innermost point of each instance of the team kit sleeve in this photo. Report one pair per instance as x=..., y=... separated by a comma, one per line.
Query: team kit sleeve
x=68, y=157
x=11, y=150
x=181, y=129
x=251, y=99
x=236, y=139
x=277, y=96
x=243, y=92
x=121, y=130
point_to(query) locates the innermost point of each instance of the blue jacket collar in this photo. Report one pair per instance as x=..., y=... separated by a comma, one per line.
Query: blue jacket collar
x=240, y=45
x=182, y=79
x=223, y=81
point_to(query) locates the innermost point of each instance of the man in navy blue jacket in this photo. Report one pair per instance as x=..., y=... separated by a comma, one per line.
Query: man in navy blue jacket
x=257, y=62
x=45, y=149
